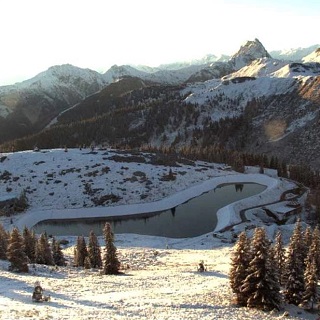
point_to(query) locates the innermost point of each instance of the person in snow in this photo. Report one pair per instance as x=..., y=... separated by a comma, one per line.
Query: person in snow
x=37, y=292
x=201, y=267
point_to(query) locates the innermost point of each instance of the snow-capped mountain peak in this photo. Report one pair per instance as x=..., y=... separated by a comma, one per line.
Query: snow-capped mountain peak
x=62, y=74
x=247, y=53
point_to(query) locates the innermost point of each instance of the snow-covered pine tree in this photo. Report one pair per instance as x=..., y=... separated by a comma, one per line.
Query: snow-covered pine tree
x=310, y=294
x=43, y=253
x=279, y=255
x=4, y=238
x=15, y=252
x=308, y=237
x=261, y=286
x=81, y=252
x=316, y=244
x=111, y=262
x=29, y=241
x=94, y=251
x=294, y=268
x=57, y=254
x=239, y=267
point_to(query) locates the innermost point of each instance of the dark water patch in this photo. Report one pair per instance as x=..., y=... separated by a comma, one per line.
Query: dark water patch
x=193, y=218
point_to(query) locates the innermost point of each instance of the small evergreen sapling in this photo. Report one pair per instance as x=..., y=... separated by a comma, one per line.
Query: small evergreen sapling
x=111, y=262
x=94, y=251
x=81, y=252
x=30, y=241
x=57, y=254
x=15, y=252
x=43, y=254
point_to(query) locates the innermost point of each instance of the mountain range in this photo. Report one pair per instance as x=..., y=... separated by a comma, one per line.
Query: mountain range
x=253, y=101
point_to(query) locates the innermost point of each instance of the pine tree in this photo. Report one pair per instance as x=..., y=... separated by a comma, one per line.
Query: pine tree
x=279, y=256
x=310, y=295
x=294, y=269
x=316, y=244
x=94, y=251
x=308, y=237
x=43, y=254
x=239, y=267
x=111, y=262
x=261, y=286
x=15, y=252
x=4, y=238
x=81, y=252
x=29, y=241
x=57, y=254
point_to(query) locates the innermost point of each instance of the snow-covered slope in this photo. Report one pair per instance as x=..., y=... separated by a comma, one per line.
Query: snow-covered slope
x=241, y=89
x=161, y=282
x=293, y=54
x=160, y=278
x=296, y=69
x=58, y=82
x=67, y=75
x=76, y=183
x=49, y=91
x=262, y=67
x=35, y=102
x=55, y=179
x=313, y=56
x=166, y=75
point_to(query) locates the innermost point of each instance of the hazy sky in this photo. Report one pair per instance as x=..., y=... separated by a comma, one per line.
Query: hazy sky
x=95, y=34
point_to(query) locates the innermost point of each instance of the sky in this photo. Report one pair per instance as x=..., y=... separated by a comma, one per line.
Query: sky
x=97, y=34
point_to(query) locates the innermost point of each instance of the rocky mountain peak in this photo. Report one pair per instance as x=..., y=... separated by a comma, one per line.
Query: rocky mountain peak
x=249, y=52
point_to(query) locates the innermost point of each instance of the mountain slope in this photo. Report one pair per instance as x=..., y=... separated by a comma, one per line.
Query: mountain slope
x=249, y=52
x=294, y=54
x=313, y=56
x=266, y=106
x=28, y=106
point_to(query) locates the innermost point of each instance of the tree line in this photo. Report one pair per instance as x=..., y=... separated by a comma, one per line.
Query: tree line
x=22, y=249
x=264, y=275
